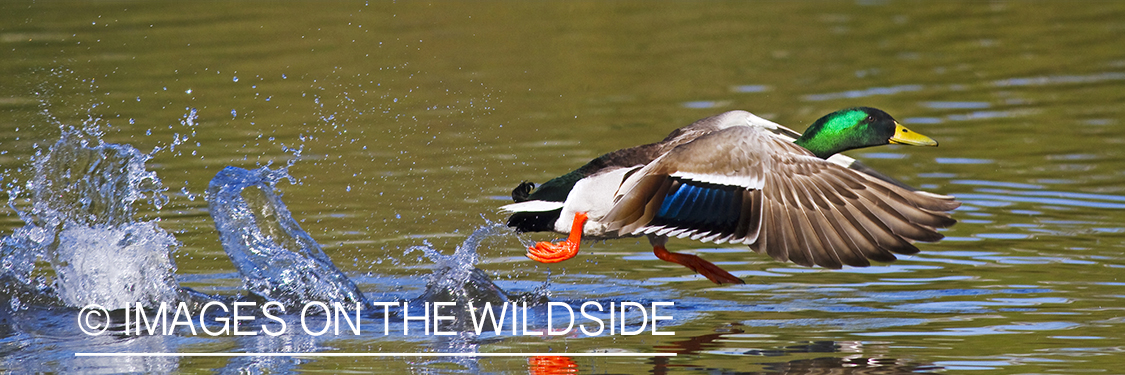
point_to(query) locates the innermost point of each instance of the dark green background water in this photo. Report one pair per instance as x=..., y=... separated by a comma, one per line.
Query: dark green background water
x=415, y=120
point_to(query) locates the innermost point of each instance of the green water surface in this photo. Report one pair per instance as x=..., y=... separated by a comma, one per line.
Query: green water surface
x=414, y=121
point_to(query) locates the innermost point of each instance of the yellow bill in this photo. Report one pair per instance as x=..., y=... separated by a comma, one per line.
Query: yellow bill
x=904, y=136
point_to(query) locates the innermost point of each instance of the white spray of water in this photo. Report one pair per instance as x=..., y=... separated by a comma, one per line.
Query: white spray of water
x=81, y=222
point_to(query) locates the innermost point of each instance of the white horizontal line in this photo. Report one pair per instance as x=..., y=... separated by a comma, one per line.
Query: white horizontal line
x=429, y=354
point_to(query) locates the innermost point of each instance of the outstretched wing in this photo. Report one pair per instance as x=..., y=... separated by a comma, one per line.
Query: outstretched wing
x=741, y=185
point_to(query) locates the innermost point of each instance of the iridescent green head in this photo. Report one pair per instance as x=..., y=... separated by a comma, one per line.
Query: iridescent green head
x=857, y=127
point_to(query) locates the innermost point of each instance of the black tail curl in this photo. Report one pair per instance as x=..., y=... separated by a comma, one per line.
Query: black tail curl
x=522, y=192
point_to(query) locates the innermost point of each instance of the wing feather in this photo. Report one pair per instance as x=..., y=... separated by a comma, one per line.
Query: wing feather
x=743, y=185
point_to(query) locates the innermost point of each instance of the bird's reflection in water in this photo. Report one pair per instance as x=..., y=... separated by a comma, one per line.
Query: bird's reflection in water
x=853, y=362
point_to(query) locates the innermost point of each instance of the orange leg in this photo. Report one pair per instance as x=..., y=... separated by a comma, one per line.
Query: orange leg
x=707, y=269
x=546, y=252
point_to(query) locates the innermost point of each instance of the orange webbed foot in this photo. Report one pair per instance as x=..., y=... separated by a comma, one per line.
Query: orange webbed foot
x=707, y=269
x=547, y=252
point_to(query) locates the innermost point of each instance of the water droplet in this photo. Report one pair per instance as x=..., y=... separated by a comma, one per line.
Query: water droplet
x=236, y=78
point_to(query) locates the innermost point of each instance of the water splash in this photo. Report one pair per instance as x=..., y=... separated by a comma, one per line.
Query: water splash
x=278, y=260
x=81, y=221
x=188, y=122
x=456, y=278
x=90, y=185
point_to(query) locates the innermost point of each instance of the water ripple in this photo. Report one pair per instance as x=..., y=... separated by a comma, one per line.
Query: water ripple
x=1014, y=185
x=704, y=104
x=750, y=88
x=852, y=94
x=976, y=331
x=956, y=105
x=962, y=161
x=983, y=199
x=1055, y=80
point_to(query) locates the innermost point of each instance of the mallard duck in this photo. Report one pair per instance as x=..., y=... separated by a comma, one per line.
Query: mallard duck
x=738, y=178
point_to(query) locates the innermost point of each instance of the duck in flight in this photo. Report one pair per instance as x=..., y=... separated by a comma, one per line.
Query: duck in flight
x=737, y=178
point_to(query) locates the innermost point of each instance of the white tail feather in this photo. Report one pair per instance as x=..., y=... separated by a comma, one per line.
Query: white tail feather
x=532, y=206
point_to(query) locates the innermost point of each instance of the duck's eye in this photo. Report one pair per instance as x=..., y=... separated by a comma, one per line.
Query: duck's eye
x=868, y=120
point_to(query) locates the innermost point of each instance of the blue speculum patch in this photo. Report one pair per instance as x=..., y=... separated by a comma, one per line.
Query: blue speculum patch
x=693, y=205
